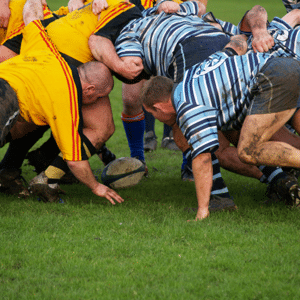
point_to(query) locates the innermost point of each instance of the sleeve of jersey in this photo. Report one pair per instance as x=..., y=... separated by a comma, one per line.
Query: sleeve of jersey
x=188, y=8
x=128, y=44
x=229, y=28
x=115, y=18
x=199, y=126
x=35, y=37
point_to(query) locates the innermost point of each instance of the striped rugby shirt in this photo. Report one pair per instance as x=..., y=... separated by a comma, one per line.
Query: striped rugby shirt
x=217, y=93
x=154, y=37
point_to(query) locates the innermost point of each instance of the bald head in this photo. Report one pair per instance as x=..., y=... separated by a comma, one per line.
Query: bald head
x=97, y=75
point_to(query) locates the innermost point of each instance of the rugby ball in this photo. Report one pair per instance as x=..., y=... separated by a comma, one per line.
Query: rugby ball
x=123, y=172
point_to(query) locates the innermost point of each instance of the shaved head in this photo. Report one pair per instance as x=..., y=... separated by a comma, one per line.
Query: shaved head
x=97, y=74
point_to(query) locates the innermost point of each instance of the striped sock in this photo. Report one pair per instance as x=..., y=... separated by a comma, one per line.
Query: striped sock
x=271, y=174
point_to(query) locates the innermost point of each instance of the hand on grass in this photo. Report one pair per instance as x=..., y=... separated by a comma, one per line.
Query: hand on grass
x=105, y=192
x=202, y=213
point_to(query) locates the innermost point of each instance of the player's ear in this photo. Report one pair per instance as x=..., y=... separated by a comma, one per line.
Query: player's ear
x=91, y=88
x=165, y=107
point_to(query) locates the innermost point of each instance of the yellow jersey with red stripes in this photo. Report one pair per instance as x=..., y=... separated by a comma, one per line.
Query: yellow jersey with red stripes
x=16, y=24
x=48, y=89
x=70, y=33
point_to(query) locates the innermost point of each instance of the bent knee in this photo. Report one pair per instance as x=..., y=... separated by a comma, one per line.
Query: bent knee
x=247, y=155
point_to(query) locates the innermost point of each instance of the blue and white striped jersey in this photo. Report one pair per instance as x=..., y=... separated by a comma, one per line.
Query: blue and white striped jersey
x=291, y=4
x=155, y=37
x=216, y=95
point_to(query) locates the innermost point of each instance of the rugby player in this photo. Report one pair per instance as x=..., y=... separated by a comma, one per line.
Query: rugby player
x=71, y=39
x=58, y=101
x=257, y=92
x=130, y=43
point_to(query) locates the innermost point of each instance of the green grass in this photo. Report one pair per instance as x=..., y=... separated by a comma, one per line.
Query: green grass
x=144, y=248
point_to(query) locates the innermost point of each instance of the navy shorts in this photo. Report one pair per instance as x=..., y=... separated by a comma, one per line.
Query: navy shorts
x=277, y=88
x=192, y=51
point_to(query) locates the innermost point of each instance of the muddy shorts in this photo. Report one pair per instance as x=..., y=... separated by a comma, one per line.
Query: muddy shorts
x=277, y=88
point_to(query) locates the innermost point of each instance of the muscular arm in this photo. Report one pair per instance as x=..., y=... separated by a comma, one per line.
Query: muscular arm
x=179, y=138
x=33, y=10
x=203, y=175
x=83, y=172
x=238, y=43
x=4, y=13
x=255, y=21
x=293, y=17
x=103, y=50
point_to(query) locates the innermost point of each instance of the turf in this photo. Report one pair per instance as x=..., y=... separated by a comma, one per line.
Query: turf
x=145, y=248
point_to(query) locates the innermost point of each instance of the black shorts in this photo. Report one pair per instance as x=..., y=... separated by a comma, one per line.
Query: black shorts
x=277, y=88
x=9, y=109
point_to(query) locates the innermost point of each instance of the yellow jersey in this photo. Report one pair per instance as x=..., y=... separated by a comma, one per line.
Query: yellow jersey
x=48, y=89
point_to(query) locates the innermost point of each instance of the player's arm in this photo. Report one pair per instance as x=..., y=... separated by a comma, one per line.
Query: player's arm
x=255, y=21
x=104, y=51
x=83, y=172
x=238, y=44
x=203, y=175
x=33, y=10
x=4, y=13
x=75, y=4
x=292, y=18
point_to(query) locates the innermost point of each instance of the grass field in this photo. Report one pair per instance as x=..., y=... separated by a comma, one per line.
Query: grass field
x=145, y=248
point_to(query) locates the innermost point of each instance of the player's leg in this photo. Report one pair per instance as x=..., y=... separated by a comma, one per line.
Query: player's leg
x=255, y=146
x=133, y=119
x=274, y=103
x=150, y=142
x=98, y=128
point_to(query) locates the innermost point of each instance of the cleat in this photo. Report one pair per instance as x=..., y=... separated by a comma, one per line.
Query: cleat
x=12, y=183
x=40, y=187
x=187, y=174
x=286, y=190
x=217, y=203
x=169, y=143
x=150, y=142
x=106, y=155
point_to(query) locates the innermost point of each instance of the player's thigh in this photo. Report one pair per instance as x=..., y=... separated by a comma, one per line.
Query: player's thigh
x=130, y=97
x=259, y=128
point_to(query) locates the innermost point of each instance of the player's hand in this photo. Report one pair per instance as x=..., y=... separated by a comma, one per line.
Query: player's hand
x=75, y=4
x=4, y=15
x=168, y=7
x=98, y=6
x=202, y=213
x=262, y=42
x=105, y=192
x=132, y=67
